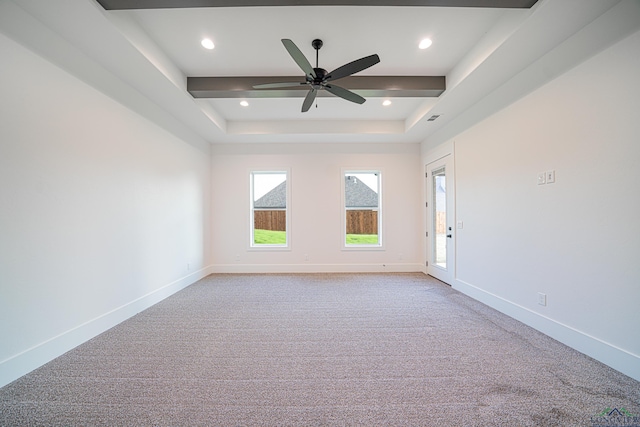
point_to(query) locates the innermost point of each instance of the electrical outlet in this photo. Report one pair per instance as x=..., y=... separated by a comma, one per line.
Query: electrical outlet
x=551, y=177
x=542, y=178
x=542, y=298
x=306, y=257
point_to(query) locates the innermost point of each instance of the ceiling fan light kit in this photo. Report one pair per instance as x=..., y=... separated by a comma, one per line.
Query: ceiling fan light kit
x=318, y=78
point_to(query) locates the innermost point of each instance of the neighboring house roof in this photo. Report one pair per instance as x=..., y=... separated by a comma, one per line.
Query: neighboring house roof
x=357, y=194
x=274, y=199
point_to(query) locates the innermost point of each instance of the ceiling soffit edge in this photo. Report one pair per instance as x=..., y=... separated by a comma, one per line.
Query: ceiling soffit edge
x=317, y=127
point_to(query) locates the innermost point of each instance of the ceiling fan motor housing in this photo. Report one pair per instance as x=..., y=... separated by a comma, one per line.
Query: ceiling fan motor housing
x=321, y=74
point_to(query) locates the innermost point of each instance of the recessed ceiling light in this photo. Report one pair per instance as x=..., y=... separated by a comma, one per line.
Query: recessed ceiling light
x=207, y=44
x=425, y=43
x=244, y=103
x=386, y=102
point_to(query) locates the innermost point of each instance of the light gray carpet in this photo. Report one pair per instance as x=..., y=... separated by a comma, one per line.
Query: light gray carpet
x=323, y=349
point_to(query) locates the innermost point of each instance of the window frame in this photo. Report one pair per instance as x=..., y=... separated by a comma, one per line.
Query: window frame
x=270, y=247
x=343, y=234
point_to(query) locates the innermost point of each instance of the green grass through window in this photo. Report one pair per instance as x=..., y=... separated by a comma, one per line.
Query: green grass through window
x=362, y=239
x=268, y=237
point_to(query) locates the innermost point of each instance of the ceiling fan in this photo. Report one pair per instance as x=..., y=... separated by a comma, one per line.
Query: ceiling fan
x=318, y=78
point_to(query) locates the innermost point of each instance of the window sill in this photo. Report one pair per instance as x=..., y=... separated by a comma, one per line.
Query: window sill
x=363, y=248
x=275, y=248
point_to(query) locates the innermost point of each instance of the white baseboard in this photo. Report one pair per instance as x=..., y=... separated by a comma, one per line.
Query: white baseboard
x=36, y=356
x=317, y=268
x=617, y=358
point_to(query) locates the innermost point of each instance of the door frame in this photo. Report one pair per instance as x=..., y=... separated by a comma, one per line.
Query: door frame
x=443, y=153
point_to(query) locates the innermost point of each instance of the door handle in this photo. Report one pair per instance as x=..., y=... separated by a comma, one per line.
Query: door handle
x=449, y=235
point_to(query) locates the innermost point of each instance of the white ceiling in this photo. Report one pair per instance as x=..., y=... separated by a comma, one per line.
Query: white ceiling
x=248, y=43
x=481, y=51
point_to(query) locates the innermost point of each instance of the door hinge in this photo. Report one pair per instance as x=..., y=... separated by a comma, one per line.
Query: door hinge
x=426, y=174
x=427, y=234
x=426, y=204
x=426, y=263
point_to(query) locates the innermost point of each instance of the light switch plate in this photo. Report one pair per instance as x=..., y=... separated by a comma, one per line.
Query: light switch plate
x=459, y=225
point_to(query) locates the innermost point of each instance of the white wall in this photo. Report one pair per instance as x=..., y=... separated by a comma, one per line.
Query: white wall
x=316, y=209
x=577, y=240
x=102, y=213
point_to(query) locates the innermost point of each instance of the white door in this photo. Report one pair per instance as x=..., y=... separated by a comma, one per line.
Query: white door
x=440, y=220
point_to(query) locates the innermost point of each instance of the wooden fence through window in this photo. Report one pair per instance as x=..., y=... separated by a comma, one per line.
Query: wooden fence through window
x=441, y=222
x=358, y=221
x=362, y=222
x=275, y=220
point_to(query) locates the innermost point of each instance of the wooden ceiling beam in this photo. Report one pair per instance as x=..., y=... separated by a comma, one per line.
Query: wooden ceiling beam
x=173, y=4
x=367, y=86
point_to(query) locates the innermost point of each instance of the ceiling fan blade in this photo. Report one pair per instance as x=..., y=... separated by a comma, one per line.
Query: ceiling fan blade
x=277, y=85
x=353, y=67
x=299, y=57
x=345, y=94
x=308, y=100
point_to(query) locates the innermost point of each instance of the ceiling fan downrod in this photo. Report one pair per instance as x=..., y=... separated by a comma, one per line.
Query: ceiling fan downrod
x=317, y=44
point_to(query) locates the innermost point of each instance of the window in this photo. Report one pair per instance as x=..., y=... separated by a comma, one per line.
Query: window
x=269, y=202
x=362, y=217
